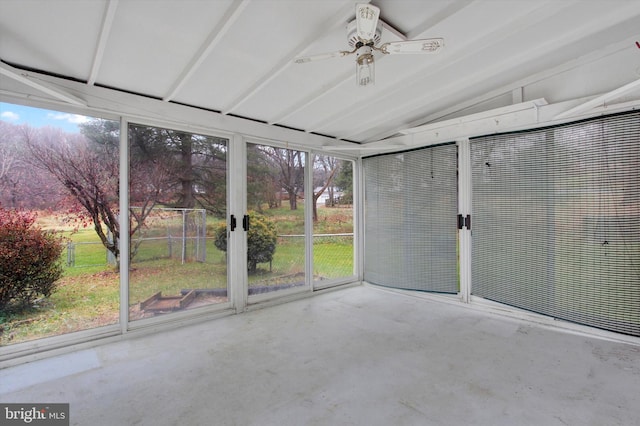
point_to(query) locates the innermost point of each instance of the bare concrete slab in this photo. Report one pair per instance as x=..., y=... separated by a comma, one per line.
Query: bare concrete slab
x=358, y=356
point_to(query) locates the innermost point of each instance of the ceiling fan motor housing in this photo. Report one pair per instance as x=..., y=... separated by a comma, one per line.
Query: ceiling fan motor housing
x=352, y=34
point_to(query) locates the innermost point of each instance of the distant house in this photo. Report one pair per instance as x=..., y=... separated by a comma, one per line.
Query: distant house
x=323, y=199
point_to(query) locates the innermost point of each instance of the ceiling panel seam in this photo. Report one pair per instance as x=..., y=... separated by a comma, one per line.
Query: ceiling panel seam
x=332, y=23
x=105, y=31
x=310, y=99
x=437, y=18
x=232, y=14
x=328, y=88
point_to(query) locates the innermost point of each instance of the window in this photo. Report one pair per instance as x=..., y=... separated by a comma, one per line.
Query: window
x=61, y=171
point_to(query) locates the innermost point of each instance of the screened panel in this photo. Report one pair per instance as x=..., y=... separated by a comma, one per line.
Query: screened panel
x=276, y=242
x=556, y=221
x=410, y=219
x=332, y=219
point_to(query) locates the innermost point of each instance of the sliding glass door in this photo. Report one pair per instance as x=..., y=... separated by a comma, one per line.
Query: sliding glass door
x=275, y=219
x=333, y=220
x=178, y=204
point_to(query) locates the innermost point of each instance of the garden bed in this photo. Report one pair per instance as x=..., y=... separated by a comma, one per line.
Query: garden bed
x=160, y=303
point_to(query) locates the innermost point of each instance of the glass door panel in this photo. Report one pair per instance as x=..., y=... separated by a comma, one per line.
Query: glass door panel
x=275, y=203
x=178, y=200
x=332, y=219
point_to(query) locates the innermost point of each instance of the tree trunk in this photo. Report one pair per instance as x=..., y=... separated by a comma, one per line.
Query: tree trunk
x=187, y=178
x=293, y=201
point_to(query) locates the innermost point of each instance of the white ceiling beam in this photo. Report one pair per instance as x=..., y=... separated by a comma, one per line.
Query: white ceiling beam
x=489, y=122
x=41, y=86
x=338, y=20
x=442, y=15
x=105, y=31
x=493, y=115
x=218, y=33
x=509, y=118
x=110, y=103
x=600, y=100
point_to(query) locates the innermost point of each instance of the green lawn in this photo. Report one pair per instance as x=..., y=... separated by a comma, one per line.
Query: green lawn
x=88, y=294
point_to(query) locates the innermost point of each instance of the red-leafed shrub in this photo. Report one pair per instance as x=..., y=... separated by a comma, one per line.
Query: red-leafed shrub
x=29, y=259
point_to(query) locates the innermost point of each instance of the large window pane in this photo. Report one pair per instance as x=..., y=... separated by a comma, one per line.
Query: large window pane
x=59, y=173
x=177, y=200
x=275, y=198
x=332, y=218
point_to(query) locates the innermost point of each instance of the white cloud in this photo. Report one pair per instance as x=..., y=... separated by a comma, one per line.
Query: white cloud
x=9, y=116
x=71, y=118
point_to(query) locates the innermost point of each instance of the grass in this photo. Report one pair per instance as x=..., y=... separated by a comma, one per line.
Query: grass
x=88, y=295
x=80, y=302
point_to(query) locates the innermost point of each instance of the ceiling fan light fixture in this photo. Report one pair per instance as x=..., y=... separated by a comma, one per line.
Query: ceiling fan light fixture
x=365, y=67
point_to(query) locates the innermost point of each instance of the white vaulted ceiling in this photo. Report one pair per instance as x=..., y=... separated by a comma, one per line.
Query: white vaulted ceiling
x=235, y=58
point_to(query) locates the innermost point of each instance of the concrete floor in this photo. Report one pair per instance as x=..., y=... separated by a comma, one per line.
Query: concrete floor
x=357, y=356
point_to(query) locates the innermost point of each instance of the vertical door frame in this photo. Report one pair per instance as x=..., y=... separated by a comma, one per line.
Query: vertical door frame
x=464, y=209
x=237, y=276
x=124, y=224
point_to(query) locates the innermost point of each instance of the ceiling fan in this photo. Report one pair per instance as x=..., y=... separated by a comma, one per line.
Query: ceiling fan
x=364, y=33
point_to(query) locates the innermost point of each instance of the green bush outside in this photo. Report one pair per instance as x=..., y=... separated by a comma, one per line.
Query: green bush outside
x=261, y=240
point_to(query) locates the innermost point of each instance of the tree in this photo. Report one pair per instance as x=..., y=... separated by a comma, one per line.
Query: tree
x=327, y=166
x=172, y=168
x=343, y=181
x=194, y=166
x=90, y=177
x=289, y=165
x=263, y=183
x=29, y=259
x=22, y=185
x=90, y=174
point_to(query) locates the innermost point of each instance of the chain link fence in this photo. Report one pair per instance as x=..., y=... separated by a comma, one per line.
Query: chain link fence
x=167, y=234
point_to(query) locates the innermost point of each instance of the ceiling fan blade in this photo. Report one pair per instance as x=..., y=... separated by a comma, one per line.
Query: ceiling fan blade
x=429, y=45
x=320, y=57
x=366, y=21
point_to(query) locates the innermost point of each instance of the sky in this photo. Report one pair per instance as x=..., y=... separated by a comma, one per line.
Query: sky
x=36, y=117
